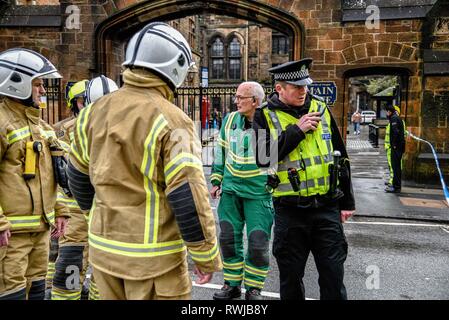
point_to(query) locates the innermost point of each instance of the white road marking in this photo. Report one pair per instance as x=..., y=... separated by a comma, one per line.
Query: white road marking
x=397, y=224
x=218, y=287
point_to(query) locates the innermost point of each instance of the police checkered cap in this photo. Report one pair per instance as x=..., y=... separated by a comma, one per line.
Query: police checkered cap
x=294, y=72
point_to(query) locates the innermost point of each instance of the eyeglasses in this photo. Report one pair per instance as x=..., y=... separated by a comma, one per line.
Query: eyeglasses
x=237, y=98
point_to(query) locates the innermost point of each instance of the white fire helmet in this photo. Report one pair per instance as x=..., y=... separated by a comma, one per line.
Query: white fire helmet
x=98, y=87
x=19, y=67
x=161, y=49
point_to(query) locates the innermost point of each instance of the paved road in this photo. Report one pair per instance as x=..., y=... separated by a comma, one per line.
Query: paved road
x=410, y=259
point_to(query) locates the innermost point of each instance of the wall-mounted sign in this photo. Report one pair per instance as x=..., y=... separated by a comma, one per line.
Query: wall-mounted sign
x=325, y=89
x=204, y=76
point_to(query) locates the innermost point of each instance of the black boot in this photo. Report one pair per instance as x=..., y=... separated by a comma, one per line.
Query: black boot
x=253, y=294
x=227, y=293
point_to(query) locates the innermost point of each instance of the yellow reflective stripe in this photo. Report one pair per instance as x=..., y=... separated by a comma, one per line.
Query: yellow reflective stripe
x=223, y=143
x=81, y=131
x=48, y=134
x=136, y=249
x=207, y=255
x=257, y=272
x=228, y=276
x=233, y=267
x=65, y=146
x=18, y=134
x=179, y=162
x=147, y=169
x=74, y=151
x=254, y=283
x=61, y=295
x=236, y=264
x=216, y=176
x=50, y=217
x=71, y=203
x=228, y=124
x=71, y=135
x=1, y=210
x=243, y=174
x=24, y=221
x=241, y=160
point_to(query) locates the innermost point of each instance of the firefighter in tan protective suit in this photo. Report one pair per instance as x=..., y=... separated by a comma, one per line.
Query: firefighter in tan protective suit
x=142, y=156
x=31, y=165
x=71, y=264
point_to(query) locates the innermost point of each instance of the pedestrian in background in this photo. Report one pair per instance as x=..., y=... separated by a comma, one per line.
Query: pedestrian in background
x=356, y=119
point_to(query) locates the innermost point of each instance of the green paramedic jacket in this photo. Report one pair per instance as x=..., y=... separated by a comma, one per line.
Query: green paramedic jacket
x=235, y=167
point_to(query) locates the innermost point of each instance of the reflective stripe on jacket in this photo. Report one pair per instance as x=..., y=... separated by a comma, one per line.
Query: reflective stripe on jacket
x=312, y=156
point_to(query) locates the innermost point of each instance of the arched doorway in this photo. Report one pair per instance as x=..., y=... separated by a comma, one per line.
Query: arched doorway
x=121, y=25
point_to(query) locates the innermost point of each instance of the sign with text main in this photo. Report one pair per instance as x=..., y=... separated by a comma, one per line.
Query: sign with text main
x=325, y=89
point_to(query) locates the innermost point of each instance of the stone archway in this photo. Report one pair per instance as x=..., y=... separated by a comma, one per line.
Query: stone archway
x=123, y=23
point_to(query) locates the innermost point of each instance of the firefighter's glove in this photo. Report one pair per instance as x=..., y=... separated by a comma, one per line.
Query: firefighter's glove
x=59, y=168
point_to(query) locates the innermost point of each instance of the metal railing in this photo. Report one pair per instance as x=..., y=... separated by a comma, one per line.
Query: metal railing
x=53, y=111
x=207, y=107
x=373, y=135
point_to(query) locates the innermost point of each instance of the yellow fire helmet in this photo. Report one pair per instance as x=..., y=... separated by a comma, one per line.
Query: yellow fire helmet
x=398, y=110
x=76, y=91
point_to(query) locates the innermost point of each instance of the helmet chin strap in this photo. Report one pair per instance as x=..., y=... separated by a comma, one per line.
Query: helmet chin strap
x=29, y=102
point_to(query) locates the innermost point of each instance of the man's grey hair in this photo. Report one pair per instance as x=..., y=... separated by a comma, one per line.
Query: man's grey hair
x=257, y=91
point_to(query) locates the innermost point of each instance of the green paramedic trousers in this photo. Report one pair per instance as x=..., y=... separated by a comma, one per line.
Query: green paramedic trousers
x=233, y=213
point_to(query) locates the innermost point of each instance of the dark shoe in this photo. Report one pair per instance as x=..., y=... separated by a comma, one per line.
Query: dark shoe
x=253, y=294
x=391, y=189
x=227, y=293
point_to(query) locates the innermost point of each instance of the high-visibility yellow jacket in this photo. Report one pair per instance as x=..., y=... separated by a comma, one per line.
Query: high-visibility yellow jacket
x=312, y=156
x=139, y=150
x=77, y=230
x=25, y=205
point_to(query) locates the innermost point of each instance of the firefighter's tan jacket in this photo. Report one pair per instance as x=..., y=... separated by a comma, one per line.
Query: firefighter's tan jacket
x=138, y=148
x=26, y=206
x=76, y=231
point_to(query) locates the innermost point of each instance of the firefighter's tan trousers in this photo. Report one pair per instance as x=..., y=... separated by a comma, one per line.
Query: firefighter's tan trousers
x=173, y=285
x=23, y=265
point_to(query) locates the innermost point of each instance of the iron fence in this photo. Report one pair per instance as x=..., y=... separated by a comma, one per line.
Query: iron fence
x=52, y=112
x=207, y=107
x=374, y=135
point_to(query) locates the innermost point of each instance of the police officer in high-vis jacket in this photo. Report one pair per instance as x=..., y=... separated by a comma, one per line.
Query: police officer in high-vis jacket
x=395, y=134
x=31, y=165
x=136, y=162
x=299, y=143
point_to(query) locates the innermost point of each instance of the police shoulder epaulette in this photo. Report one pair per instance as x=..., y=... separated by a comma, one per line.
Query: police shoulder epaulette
x=264, y=105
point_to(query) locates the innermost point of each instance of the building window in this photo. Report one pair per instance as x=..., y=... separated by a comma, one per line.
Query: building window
x=234, y=59
x=192, y=35
x=217, y=59
x=280, y=44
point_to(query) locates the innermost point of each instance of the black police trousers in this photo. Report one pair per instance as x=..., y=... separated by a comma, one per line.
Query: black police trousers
x=297, y=231
x=396, y=165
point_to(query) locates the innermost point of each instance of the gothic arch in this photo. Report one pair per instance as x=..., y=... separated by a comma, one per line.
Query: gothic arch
x=123, y=23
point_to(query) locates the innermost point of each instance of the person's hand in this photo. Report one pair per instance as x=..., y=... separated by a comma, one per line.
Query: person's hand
x=345, y=215
x=60, y=227
x=4, y=237
x=215, y=192
x=203, y=277
x=309, y=122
